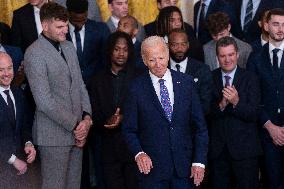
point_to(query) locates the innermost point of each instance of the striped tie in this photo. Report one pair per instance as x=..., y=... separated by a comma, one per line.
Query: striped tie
x=248, y=16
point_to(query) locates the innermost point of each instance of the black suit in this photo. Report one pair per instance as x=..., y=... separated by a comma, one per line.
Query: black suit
x=24, y=31
x=254, y=31
x=233, y=132
x=5, y=32
x=107, y=93
x=272, y=106
x=214, y=6
x=12, y=137
x=203, y=81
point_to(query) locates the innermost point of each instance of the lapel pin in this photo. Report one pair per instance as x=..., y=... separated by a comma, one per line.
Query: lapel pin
x=178, y=82
x=195, y=80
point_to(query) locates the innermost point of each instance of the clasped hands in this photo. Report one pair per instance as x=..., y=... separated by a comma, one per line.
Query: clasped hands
x=276, y=133
x=21, y=165
x=230, y=95
x=81, y=131
x=145, y=165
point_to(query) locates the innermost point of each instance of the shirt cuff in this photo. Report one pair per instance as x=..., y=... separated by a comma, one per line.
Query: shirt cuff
x=266, y=123
x=12, y=159
x=139, y=154
x=199, y=165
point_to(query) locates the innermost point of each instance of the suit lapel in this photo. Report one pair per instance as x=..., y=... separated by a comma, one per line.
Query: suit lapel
x=17, y=105
x=177, y=94
x=219, y=81
x=281, y=71
x=237, y=78
x=30, y=22
x=153, y=96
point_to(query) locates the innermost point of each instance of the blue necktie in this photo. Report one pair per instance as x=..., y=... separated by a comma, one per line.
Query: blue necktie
x=275, y=62
x=227, y=80
x=248, y=15
x=79, y=45
x=165, y=100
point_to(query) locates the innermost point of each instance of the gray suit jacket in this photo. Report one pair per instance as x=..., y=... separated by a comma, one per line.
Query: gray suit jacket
x=211, y=57
x=141, y=31
x=58, y=90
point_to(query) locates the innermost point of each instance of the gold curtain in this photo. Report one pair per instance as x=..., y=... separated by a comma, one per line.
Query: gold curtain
x=7, y=7
x=144, y=10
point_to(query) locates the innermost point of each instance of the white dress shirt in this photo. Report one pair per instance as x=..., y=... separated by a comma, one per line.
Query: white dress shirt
x=37, y=20
x=231, y=75
x=72, y=34
x=279, y=53
x=114, y=21
x=182, y=65
x=2, y=49
x=244, y=8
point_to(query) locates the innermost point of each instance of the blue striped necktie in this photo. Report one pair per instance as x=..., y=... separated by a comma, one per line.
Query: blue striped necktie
x=248, y=15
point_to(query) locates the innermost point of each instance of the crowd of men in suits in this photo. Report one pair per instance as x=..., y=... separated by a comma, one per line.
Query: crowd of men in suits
x=161, y=106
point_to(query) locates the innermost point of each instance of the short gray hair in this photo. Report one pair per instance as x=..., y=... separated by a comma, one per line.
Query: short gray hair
x=153, y=41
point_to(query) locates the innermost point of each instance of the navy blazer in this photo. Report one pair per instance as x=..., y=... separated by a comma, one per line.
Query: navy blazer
x=235, y=128
x=254, y=31
x=16, y=54
x=203, y=81
x=215, y=6
x=13, y=137
x=24, y=31
x=272, y=90
x=96, y=34
x=170, y=145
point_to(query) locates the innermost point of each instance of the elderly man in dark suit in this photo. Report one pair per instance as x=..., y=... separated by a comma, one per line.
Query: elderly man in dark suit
x=62, y=119
x=181, y=62
x=14, y=130
x=234, y=140
x=268, y=64
x=160, y=107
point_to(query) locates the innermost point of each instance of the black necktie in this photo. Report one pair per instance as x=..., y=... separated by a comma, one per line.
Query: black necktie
x=178, y=67
x=79, y=45
x=275, y=62
x=248, y=15
x=11, y=109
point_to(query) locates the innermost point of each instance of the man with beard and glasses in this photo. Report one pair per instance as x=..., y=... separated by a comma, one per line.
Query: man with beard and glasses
x=107, y=93
x=268, y=64
x=181, y=62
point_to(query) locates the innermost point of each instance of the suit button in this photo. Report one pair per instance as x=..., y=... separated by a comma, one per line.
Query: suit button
x=171, y=128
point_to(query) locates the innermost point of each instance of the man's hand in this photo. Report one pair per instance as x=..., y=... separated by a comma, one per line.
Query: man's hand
x=31, y=152
x=21, y=166
x=80, y=143
x=114, y=120
x=276, y=133
x=144, y=163
x=82, y=129
x=231, y=94
x=197, y=173
x=224, y=102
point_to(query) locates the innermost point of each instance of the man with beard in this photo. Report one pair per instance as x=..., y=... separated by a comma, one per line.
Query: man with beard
x=268, y=65
x=107, y=92
x=181, y=62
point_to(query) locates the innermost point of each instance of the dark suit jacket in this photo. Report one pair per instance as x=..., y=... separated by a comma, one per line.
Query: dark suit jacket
x=96, y=34
x=202, y=78
x=5, y=32
x=16, y=55
x=256, y=45
x=196, y=50
x=170, y=145
x=24, y=31
x=272, y=90
x=235, y=128
x=214, y=6
x=12, y=137
x=139, y=64
x=254, y=30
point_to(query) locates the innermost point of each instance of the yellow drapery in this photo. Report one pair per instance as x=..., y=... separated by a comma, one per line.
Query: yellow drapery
x=144, y=10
